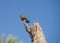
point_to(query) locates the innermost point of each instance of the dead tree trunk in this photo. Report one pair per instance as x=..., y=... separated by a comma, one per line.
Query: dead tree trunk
x=35, y=32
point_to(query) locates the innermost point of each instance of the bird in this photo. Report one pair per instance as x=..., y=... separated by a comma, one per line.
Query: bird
x=24, y=19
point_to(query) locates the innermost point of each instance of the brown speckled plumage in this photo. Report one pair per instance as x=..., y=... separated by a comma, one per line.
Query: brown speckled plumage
x=23, y=18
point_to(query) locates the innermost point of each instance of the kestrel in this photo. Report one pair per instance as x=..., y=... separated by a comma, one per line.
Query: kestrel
x=24, y=19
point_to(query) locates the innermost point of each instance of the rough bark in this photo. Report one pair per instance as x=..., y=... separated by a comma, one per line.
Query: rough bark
x=35, y=32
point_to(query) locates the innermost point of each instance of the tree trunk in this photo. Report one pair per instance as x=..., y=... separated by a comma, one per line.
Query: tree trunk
x=36, y=33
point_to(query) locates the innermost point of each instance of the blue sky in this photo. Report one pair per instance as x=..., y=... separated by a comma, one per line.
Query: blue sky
x=46, y=12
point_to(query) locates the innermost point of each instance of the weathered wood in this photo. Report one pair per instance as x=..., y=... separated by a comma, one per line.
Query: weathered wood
x=35, y=32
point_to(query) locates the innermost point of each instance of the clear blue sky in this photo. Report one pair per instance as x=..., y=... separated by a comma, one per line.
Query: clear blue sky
x=46, y=12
